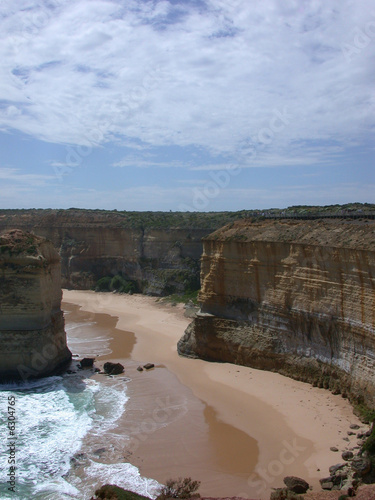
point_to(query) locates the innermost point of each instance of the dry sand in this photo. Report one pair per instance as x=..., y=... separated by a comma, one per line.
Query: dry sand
x=237, y=430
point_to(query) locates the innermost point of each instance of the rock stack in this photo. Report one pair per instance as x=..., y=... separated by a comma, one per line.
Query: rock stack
x=32, y=335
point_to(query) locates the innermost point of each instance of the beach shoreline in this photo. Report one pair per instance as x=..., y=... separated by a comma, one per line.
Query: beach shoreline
x=237, y=430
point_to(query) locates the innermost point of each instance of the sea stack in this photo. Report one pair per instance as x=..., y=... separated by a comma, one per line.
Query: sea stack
x=32, y=335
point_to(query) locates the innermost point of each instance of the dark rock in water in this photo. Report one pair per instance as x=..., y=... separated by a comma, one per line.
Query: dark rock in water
x=140, y=369
x=148, y=366
x=78, y=459
x=347, y=455
x=113, y=368
x=87, y=362
x=333, y=448
x=99, y=451
x=361, y=465
x=296, y=484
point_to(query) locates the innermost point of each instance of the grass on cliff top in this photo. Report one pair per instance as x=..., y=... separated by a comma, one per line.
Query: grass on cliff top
x=16, y=242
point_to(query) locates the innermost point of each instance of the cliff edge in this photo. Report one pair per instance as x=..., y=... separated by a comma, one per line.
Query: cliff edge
x=293, y=297
x=32, y=336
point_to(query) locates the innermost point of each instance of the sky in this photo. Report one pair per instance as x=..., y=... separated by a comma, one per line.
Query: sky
x=198, y=105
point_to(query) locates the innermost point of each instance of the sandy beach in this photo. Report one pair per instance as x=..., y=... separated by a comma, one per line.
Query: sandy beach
x=237, y=430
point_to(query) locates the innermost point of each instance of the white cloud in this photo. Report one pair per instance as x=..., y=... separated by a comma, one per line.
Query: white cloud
x=211, y=75
x=30, y=180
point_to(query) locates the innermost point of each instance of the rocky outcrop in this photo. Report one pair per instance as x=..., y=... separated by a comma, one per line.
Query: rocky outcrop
x=32, y=336
x=159, y=252
x=293, y=297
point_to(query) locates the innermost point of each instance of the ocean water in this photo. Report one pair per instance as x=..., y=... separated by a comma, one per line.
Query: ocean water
x=67, y=439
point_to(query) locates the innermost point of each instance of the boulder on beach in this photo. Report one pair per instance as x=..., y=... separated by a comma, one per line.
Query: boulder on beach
x=87, y=362
x=361, y=465
x=347, y=455
x=296, y=484
x=148, y=366
x=113, y=368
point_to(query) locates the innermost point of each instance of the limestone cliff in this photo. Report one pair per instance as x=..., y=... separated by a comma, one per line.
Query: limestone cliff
x=293, y=297
x=160, y=252
x=32, y=336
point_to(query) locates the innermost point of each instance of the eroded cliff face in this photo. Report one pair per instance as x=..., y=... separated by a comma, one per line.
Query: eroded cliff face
x=32, y=336
x=93, y=244
x=294, y=297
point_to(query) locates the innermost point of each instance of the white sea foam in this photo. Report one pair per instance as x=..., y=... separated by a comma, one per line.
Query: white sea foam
x=124, y=475
x=62, y=423
x=54, y=415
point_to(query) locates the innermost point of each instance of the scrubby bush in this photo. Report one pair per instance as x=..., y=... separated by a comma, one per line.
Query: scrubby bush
x=103, y=284
x=179, y=488
x=284, y=494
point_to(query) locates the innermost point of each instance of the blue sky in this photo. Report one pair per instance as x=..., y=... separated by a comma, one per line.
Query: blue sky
x=186, y=105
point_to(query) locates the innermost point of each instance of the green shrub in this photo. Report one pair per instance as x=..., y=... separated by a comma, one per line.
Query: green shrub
x=182, y=298
x=370, y=442
x=115, y=284
x=103, y=284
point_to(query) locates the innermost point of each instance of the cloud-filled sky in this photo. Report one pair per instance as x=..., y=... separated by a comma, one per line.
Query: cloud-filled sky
x=186, y=104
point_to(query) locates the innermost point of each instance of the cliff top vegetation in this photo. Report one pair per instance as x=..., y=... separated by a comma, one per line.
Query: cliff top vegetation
x=168, y=220
x=17, y=242
x=347, y=233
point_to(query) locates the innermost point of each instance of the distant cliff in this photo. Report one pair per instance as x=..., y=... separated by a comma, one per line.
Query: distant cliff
x=32, y=336
x=293, y=297
x=158, y=251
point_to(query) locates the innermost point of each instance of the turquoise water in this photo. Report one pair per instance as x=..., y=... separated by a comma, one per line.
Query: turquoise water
x=67, y=441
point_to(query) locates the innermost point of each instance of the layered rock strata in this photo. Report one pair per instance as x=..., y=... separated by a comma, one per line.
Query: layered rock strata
x=160, y=252
x=32, y=336
x=293, y=297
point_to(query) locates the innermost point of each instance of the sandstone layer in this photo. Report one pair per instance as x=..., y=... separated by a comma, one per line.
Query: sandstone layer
x=293, y=297
x=159, y=252
x=32, y=336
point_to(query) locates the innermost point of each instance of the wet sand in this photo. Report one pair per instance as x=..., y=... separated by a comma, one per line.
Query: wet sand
x=237, y=430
